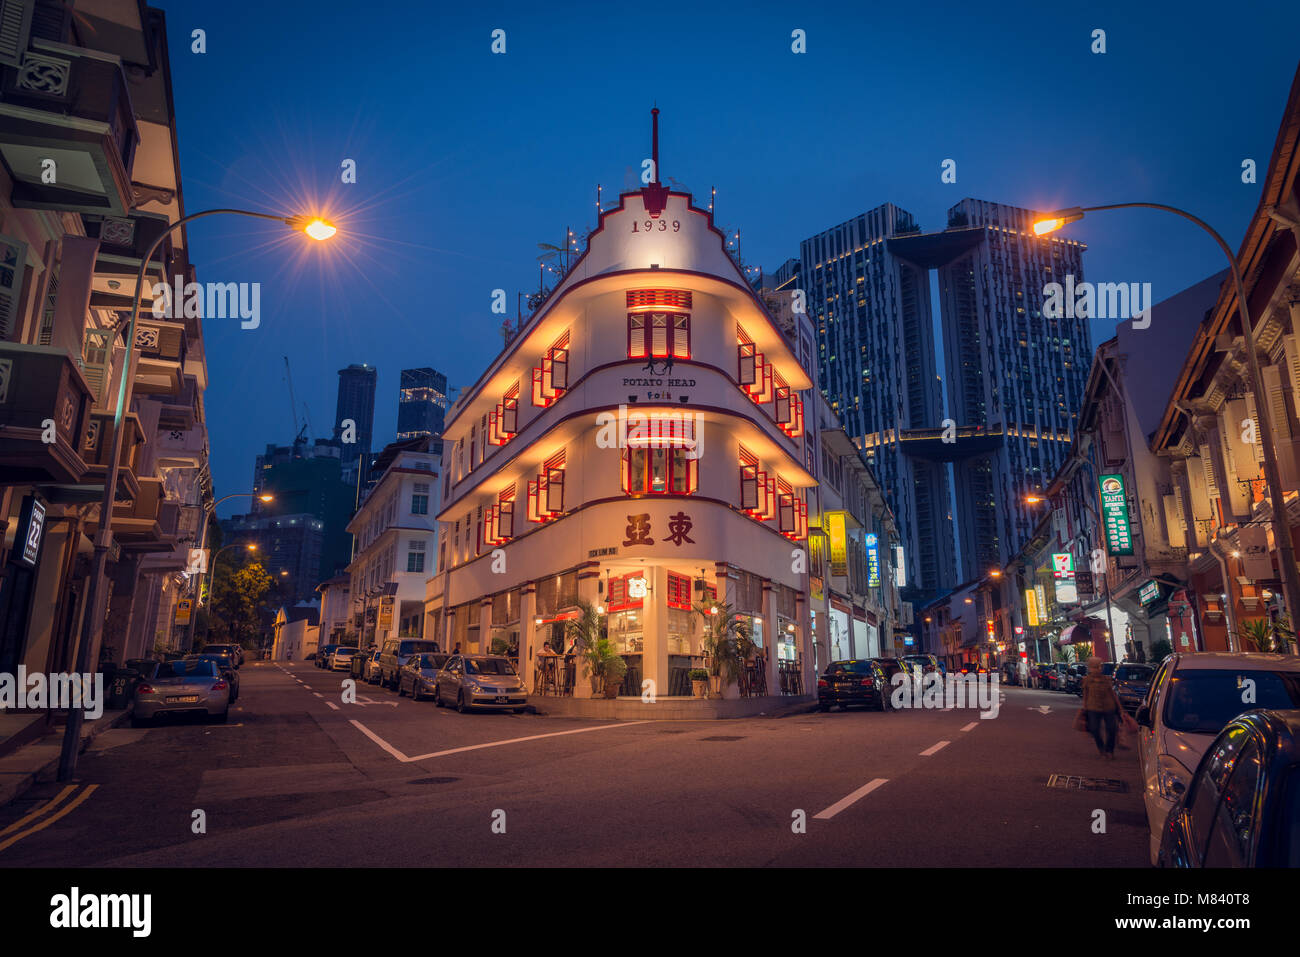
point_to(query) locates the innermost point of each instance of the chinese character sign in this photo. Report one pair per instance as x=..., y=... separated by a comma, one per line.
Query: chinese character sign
x=873, y=561
x=1114, y=515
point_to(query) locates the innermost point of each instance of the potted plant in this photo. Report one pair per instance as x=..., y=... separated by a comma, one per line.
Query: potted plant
x=615, y=668
x=699, y=681
x=725, y=643
x=587, y=632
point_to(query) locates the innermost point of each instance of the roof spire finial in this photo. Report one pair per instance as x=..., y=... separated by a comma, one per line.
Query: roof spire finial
x=654, y=142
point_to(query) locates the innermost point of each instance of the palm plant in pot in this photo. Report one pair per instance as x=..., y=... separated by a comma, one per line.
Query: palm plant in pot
x=725, y=643
x=604, y=665
x=699, y=682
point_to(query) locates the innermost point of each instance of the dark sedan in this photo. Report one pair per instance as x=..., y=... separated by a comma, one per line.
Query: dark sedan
x=856, y=681
x=1132, y=681
x=1242, y=808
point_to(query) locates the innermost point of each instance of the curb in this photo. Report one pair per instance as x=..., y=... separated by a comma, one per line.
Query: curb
x=13, y=790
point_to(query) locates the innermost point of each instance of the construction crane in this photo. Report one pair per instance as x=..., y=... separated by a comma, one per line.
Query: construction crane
x=293, y=406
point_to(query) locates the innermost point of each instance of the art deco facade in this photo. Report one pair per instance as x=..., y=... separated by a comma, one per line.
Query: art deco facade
x=643, y=444
x=89, y=176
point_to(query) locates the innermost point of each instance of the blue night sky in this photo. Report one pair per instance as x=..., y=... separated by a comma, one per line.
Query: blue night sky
x=467, y=160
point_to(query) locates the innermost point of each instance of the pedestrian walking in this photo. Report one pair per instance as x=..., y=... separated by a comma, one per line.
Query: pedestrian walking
x=1101, y=708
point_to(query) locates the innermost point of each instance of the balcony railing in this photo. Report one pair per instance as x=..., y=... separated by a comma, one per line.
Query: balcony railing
x=71, y=105
x=45, y=405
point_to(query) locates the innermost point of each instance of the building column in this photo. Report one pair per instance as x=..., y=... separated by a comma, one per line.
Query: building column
x=654, y=650
x=771, y=636
x=484, y=628
x=529, y=643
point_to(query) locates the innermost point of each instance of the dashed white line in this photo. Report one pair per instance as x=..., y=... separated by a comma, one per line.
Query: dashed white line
x=938, y=747
x=973, y=724
x=857, y=795
x=332, y=705
x=318, y=694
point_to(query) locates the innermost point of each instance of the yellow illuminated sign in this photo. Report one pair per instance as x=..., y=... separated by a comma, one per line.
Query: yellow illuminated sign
x=835, y=529
x=1031, y=607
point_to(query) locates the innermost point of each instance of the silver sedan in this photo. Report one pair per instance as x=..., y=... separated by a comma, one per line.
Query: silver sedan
x=189, y=685
x=480, y=681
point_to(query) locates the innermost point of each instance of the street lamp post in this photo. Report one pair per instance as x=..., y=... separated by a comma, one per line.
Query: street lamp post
x=92, y=626
x=203, y=542
x=1277, y=502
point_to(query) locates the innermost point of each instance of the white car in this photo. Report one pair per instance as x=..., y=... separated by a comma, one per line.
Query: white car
x=1192, y=698
x=341, y=658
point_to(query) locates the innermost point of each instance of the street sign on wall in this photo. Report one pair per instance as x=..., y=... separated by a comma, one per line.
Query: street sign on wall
x=1114, y=515
x=1031, y=607
x=873, y=561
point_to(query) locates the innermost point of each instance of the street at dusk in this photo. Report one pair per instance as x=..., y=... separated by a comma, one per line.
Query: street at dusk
x=648, y=442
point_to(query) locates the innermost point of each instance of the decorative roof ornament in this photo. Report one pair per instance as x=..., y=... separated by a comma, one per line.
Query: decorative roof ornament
x=655, y=195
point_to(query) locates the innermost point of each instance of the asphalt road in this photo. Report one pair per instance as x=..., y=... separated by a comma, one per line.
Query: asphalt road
x=297, y=778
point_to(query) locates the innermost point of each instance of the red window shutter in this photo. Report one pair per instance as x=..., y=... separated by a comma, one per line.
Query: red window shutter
x=636, y=337
x=625, y=467
x=681, y=337
x=783, y=415
x=745, y=358
x=539, y=397
x=555, y=491
x=693, y=476
x=749, y=487
x=506, y=521
x=509, y=417
x=659, y=336
x=534, y=503
x=785, y=512
x=560, y=369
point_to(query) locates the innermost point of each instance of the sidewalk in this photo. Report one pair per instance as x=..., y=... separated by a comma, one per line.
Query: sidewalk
x=39, y=760
x=673, y=709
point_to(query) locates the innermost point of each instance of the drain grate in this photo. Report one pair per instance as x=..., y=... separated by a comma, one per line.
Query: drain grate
x=724, y=737
x=433, y=780
x=1075, y=782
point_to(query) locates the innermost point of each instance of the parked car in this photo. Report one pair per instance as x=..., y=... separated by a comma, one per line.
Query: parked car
x=370, y=666
x=1242, y=808
x=323, y=655
x=1132, y=682
x=928, y=663
x=396, y=652
x=228, y=671
x=1039, y=674
x=480, y=681
x=1192, y=698
x=193, y=685
x=973, y=668
x=420, y=674
x=854, y=681
x=233, y=652
x=341, y=658
x=357, y=666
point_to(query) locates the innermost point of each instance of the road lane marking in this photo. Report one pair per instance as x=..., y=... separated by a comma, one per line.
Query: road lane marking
x=973, y=724
x=857, y=795
x=318, y=694
x=332, y=705
x=476, y=747
x=65, y=810
x=47, y=806
x=929, y=751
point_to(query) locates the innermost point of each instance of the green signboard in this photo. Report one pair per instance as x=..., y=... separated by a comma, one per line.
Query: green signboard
x=1149, y=592
x=1114, y=515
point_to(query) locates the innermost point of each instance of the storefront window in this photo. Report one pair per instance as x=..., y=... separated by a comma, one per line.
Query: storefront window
x=681, y=632
x=625, y=631
x=786, y=648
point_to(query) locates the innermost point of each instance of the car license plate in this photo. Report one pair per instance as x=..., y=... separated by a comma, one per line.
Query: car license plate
x=182, y=699
x=503, y=699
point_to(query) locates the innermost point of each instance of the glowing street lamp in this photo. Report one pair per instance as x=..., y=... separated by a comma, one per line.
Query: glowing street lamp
x=92, y=628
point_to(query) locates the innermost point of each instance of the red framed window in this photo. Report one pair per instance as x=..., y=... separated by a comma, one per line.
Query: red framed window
x=618, y=598
x=651, y=471
x=546, y=493
x=658, y=335
x=679, y=591
x=551, y=378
